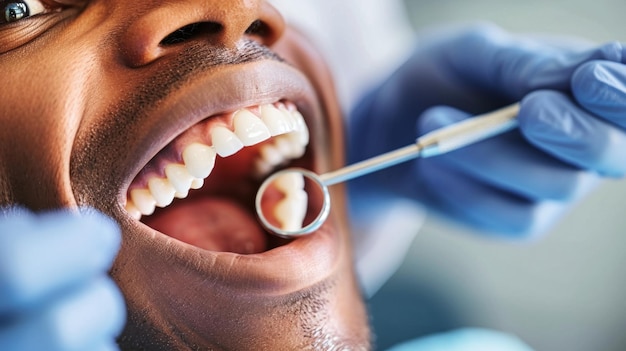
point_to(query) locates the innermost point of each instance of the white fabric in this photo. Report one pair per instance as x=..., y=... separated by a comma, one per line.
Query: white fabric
x=381, y=243
x=363, y=40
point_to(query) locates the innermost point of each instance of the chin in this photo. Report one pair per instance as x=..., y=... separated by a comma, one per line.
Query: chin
x=197, y=269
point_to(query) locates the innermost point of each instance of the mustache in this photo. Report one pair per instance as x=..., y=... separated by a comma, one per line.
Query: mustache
x=194, y=59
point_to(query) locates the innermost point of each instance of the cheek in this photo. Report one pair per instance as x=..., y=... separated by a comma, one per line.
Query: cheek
x=40, y=112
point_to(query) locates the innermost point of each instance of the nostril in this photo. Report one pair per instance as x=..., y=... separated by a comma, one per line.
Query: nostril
x=258, y=28
x=192, y=31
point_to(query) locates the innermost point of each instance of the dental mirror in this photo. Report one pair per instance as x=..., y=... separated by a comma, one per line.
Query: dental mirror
x=293, y=202
x=296, y=202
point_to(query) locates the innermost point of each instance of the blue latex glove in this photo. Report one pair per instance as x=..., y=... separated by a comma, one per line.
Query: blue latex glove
x=465, y=340
x=54, y=290
x=572, y=119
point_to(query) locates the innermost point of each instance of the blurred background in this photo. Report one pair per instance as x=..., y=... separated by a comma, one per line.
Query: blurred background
x=564, y=292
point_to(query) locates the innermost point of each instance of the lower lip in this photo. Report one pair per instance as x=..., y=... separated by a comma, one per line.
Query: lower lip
x=304, y=261
x=297, y=265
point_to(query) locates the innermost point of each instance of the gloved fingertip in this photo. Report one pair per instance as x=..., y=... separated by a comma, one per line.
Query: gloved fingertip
x=114, y=313
x=465, y=340
x=613, y=51
x=101, y=233
x=108, y=345
x=104, y=226
x=86, y=316
x=14, y=219
x=540, y=116
x=600, y=87
x=15, y=212
x=437, y=117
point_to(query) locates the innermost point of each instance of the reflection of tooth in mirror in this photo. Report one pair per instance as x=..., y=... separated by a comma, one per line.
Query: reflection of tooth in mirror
x=292, y=203
x=291, y=209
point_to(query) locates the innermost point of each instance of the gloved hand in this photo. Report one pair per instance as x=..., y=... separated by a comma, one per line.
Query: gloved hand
x=54, y=290
x=465, y=340
x=572, y=120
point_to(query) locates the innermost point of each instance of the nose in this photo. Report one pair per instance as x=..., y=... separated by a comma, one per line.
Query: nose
x=162, y=27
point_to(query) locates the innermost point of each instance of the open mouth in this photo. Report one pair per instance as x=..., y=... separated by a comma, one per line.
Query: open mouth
x=200, y=188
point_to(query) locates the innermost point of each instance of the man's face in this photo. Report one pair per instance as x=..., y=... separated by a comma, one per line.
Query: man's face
x=121, y=105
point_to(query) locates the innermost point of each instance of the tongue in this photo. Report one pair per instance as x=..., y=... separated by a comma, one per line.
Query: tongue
x=211, y=224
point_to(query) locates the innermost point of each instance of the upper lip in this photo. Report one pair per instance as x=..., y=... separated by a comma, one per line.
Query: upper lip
x=303, y=261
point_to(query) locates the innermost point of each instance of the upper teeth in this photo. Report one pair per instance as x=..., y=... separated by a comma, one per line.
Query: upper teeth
x=286, y=125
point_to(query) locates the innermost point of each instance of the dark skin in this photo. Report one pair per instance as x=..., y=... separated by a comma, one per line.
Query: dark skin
x=95, y=89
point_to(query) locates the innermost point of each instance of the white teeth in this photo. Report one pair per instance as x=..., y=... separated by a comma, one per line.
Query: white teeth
x=199, y=160
x=302, y=132
x=197, y=183
x=291, y=210
x=180, y=179
x=291, y=137
x=262, y=168
x=296, y=148
x=276, y=121
x=249, y=128
x=162, y=191
x=289, y=146
x=225, y=142
x=289, y=182
x=272, y=155
x=132, y=210
x=143, y=199
x=285, y=147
